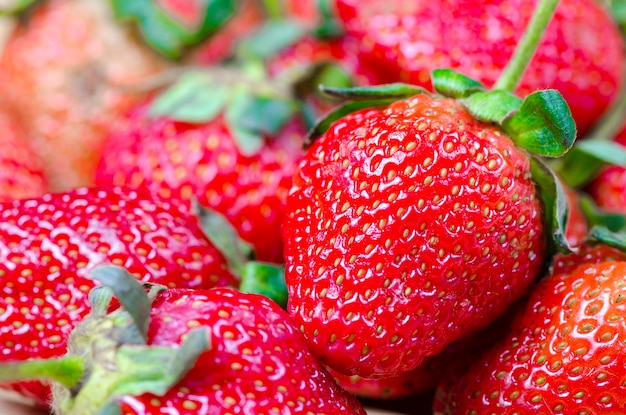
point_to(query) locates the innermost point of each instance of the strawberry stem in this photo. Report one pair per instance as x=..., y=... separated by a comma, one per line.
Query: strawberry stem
x=527, y=46
x=68, y=370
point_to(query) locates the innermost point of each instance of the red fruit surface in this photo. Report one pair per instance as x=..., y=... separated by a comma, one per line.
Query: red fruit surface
x=67, y=64
x=258, y=362
x=393, y=218
x=576, y=228
x=181, y=160
x=608, y=189
x=20, y=168
x=48, y=245
x=564, y=355
x=581, y=53
x=407, y=384
x=588, y=254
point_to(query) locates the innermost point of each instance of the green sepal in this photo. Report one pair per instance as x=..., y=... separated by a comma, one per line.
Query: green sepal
x=166, y=34
x=618, y=9
x=556, y=207
x=328, y=26
x=581, y=164
x=608, y=237
x=596, y=216
x=110, y=408
x=248, y=141
x=17, y=7
x=194, y=98
x=264, y=115
x=492, y=106
x=368, y=93
x=543, y=125
x=225, y=238
x=265, y=279
x=325, y=122
x=453, y=84
x=271, y=38
x=67, y=370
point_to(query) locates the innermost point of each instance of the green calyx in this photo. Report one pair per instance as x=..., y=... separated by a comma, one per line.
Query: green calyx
x=167, y=33
x=107, y=353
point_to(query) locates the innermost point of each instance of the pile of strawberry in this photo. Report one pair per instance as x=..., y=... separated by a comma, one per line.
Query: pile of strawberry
x=304, y=207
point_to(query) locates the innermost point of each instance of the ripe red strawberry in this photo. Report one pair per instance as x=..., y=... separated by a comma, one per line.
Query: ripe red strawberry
x=406, y=384
x=393, y=218
x=608, y=189
x=20, y=169
x=49, y=245
x=565, y=354
x=205, y=159
x=246, y=357
x=581, y=54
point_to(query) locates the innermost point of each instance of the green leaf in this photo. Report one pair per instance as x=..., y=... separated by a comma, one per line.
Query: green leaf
x=130, y=293
x=67, y=370
x=265, y=279
x=15, y=7
x=248, y=141
x=555, y=204
x=110, y=408
x=165, y=33
x=492, y=106
x=543, y=125
x=596, y=216
x=587, y=157
x=154, y=369
x=325, y=122
x=264, y=115
x=194, y=98
x=328, y=26
x=271, y=38
x=451, y=83
x=224, y=237
x=607, y=237
x=368, y=93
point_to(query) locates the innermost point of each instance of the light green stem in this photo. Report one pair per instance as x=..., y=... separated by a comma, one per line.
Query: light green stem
x=68, y=370
x=527, y=46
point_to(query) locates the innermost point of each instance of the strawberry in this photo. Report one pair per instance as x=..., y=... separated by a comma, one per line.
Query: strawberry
x=20, y=169
x=65, y=85
x=608, y=188
x=406, y=384
x=564, y=353
x=581, y=54
x=50, y=244
x=210, y=157
x=396, y=212
x=231, y=352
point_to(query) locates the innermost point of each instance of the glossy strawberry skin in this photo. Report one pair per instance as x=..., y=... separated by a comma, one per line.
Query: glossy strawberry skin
x=47, y=246
x=258, y=362
x=581, y=53
x=565, y=353
x=68, y=65
x=180, y=160
x=21, y=175
x=393, y=218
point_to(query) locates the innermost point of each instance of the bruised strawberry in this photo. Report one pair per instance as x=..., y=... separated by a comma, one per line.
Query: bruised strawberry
x=581, y=53
x=203, y=351
x=20, y=169
x=393, y=218
x=218, y=158
x=49, y=245
x=564, y=354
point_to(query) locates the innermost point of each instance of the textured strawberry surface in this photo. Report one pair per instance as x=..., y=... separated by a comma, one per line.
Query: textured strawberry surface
x=48, y=245
x=258, y=362
x=581, y=53
x=564, y=355
x=407, y=227
x=180, y=160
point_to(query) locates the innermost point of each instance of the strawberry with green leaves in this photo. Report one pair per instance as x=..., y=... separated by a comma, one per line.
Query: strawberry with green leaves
x=72, y=68
x=232, y=142
x=564, y=352
x=581, y=53
x=415, y=219
x=214, y=351
x=49, y=245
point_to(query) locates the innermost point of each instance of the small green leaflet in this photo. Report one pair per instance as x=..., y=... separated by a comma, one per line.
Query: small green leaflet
x=492, y=106
x=369, y=93
x=607, y=237
x=453, y=84
x=194, y=98
x=270, y=39
x=555, y=204
x=543, y=125
x=587, y=157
